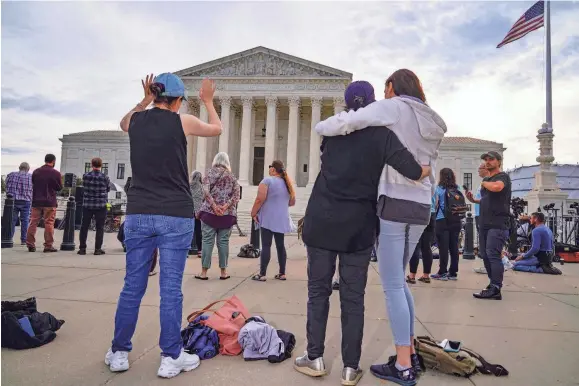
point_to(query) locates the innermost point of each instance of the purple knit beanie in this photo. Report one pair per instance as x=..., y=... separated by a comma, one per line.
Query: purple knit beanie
x=359, y=94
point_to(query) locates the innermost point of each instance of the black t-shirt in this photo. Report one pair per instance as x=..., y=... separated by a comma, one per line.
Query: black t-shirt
x=160, y=183
x=495, y=207
x=341, y=212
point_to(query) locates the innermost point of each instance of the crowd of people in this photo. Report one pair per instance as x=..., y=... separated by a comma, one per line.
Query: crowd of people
x=390, y=213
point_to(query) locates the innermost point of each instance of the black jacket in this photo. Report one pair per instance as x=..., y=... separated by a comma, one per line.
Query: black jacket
x=43, y=324
x=341, y=212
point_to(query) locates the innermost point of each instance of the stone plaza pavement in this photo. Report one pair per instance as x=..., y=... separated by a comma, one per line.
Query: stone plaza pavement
x=533, y=332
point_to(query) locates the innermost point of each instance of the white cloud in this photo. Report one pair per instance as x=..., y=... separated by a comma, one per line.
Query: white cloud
x=93, y=54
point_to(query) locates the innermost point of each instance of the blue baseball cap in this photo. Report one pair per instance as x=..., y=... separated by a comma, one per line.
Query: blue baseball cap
x=359, y=94
x=174, y=86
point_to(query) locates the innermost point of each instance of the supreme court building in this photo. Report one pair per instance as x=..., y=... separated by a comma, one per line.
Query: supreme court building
x=269, y=103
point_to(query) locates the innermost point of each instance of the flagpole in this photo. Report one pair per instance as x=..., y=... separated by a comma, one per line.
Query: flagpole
x=548, y=87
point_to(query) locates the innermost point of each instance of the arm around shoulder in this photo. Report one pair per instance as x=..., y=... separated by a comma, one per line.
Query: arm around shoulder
x=381, y=113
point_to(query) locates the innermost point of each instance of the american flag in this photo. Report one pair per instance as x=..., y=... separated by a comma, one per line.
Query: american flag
x=531, y=20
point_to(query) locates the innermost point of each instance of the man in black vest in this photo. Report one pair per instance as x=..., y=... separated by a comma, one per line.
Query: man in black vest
x=340, y=220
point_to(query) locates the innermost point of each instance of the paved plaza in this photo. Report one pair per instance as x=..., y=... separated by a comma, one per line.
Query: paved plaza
x=533, y=332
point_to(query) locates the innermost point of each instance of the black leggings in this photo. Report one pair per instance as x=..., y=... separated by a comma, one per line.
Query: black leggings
x=424, y=248
x=266, y=240
x=447, y=238
x=197, y=240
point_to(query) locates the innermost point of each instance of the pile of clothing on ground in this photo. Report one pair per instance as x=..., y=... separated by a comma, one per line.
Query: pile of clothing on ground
x=24, y=327
x=231, y=332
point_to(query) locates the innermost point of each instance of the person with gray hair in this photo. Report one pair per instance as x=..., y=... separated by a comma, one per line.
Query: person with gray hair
x=19, y=184
x=218, y=213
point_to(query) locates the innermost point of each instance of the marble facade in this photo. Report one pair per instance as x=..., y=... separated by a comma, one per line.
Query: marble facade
x=269, y=103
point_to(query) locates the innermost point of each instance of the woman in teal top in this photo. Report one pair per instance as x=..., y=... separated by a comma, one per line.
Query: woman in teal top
x=447, y=233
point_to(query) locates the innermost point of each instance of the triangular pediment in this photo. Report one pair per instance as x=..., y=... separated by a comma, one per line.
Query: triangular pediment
x=263, y=62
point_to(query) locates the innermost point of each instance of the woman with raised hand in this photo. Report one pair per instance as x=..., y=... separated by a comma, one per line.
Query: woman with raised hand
x=159, y=215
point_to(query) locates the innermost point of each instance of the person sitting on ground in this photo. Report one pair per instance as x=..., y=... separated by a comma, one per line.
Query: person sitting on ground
x=541, y=251
x=340, y=219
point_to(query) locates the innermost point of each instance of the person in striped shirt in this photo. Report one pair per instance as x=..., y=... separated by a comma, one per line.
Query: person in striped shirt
x=19, y=185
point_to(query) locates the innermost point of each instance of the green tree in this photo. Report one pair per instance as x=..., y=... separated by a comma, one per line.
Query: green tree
x=3, y=185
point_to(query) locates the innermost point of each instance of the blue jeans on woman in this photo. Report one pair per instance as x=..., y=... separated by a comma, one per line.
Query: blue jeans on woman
x=397, y=243
x=143, y=234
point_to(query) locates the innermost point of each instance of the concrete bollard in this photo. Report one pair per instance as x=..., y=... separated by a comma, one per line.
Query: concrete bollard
x=254, y=237
x=468, y=250
x=68, y=236
x=7, y=222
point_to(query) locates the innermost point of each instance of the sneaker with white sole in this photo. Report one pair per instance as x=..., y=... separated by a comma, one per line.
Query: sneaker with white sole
x=481, y=270
x=172, y=367
x=117, y=361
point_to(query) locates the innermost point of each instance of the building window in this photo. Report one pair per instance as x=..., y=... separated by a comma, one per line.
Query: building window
x=118, y=195
x=120, y=171
x=87, y=167
x=105, y=169
x=467, y=180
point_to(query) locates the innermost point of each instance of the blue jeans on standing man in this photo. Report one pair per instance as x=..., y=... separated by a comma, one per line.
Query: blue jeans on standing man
x=144, y=233
x=21, y=208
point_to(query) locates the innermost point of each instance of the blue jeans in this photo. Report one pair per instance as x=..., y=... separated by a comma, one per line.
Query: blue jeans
x=528, y=265
x=21, y=208
x=397, y=243
x=144, y=233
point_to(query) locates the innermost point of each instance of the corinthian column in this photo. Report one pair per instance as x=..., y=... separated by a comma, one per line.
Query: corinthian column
x=314, y=162
x=292, y=137
x=245, y=142
x=225, y=114
x=201, y=162
x=270, y=133
x=339, y=105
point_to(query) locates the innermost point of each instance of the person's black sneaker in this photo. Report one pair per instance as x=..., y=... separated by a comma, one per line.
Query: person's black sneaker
x=99, y=252
x=31, y=249
x=491, y=292
x=390, y=373
x=416, y=362
x=336, y=285
x=82, y=251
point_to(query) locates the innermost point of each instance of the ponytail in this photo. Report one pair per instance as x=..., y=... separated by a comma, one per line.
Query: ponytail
x=280, y=169
x=289, y=185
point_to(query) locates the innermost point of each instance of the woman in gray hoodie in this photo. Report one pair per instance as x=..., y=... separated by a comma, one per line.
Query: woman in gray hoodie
x=403, y=205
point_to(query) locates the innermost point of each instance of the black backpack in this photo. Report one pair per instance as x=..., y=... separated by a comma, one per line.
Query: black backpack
x=455, y=207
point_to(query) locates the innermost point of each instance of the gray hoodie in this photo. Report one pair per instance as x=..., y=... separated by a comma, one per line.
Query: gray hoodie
x=421, y=130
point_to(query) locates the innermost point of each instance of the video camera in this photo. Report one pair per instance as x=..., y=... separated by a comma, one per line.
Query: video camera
x=518, y=206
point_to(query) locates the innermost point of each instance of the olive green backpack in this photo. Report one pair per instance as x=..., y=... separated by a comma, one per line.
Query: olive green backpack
x=463, y=363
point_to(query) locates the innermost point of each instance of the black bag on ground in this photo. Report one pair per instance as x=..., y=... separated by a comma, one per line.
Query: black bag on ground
x=249, y=251
x=44, y=325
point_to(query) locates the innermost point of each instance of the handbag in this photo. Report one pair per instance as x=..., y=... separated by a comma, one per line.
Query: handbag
x=227, y=321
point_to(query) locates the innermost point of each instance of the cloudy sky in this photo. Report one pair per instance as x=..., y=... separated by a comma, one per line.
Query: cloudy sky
x=70, y=67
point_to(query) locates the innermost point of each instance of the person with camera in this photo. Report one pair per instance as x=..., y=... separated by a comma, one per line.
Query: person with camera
x=495, y=222
x=159, y=215
x=96, y=186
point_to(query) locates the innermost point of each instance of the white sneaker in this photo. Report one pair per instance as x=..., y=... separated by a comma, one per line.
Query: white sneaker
x=507, y=263
x=482, y=270
x=118, y=361
x=172, y=367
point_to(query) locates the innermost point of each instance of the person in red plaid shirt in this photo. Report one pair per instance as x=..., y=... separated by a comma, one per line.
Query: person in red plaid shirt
x=19, y=185
x=46, y=181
